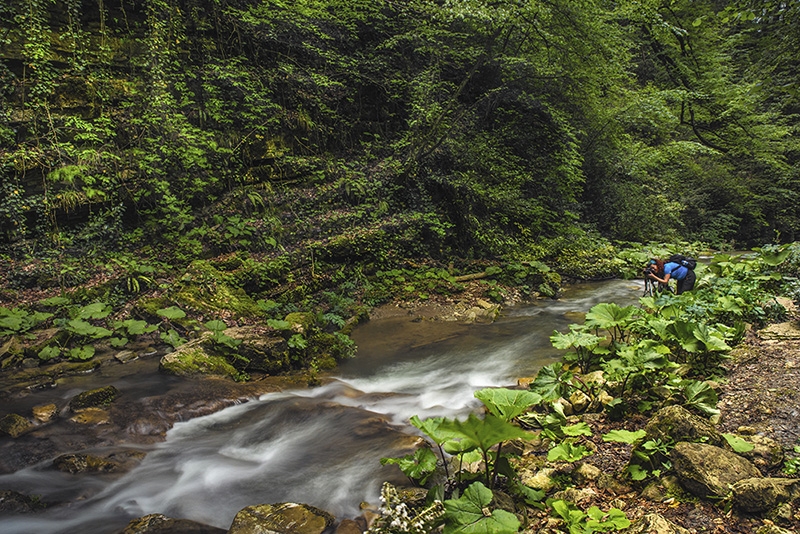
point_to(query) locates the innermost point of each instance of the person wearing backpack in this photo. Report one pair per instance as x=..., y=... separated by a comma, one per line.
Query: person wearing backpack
x=678, y=268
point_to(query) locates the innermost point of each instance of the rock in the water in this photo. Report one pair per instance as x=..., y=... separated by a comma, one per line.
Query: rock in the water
x=83, y=463
x=281, y=518
x=161, y=524
x=94, y=398
x=45, y=412
x=14, y=425
x=709, y=471
x=12, y=502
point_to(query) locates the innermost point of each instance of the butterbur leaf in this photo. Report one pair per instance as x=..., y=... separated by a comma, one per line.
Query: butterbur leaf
x=81, y=353
x=578, y=429
x=136, y=327
x=48, y=353
x=549, y=382
x=118, y=342
x=96, y=310
x=507, y=403
x=173, y=312
x=216, y=325
x=486, y=432
x=432, y=427
x=469, y=514
x=567, y=452
x=738, y=444
x=624, y=436
x=701, y=396
x=418, y=466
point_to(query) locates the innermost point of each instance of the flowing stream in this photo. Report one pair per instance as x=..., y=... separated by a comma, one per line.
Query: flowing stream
x=319, y=446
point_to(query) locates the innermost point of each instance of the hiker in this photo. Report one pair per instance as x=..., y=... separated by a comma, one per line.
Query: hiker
x=679, y=268
x=654, y=266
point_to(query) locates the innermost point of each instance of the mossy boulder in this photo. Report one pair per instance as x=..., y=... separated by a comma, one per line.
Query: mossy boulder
x=264, y=347
x=708, y=471
x=84, y=463
x=192, y=359
x=161, y=524
x=281, y=518
x=12, y=502
x=205, y=289
x=14, y=425
x=94, y=398
x=754, y=495
x=676, y=423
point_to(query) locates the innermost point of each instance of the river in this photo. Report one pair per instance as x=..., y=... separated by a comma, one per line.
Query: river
x=319, y=446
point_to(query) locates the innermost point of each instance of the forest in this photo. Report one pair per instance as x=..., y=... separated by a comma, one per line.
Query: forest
x=173, y=169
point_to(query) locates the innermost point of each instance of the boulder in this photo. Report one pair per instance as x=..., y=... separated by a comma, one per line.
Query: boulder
x=12, y=502
x=754, y=495
x=676, y=423
x=192, y=359
x=708, y=471
x=83, y=463
x=349, y=526
x=281, y=518
x=14, y=425
x=45, y=412
x=94, y=398
x=655, y=524
x=161, y=524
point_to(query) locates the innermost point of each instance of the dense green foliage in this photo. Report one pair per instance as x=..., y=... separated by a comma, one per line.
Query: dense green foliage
x=468, y=127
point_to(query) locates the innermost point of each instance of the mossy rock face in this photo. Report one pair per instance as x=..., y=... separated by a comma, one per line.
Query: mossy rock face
x=192, y=359
x=301, y=322
x=264, y=347
x=329, y=349
x=204, y=289
x=149, y=307
x=14, y=425
x=94, y=398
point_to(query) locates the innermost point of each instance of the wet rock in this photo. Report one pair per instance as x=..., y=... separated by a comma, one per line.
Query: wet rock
x=192, y=359
x=755, y=495
x=281, y=518
x=14, y=425
x=12, y=502
x=161, y=524
x=708, y=471
x=93, y=398
x=263, y=346
x=676, y=423
x=655, y=523
x=91, y=416
x=83, y=463
x=349, y=526
x=45, y=412
x=125, y=356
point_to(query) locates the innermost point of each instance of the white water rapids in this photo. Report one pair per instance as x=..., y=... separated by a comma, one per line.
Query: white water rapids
x=319, y=446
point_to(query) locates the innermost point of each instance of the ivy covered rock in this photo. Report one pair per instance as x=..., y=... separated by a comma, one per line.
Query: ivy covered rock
x=281, y=518
x=94, y=398
x=708, y=471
